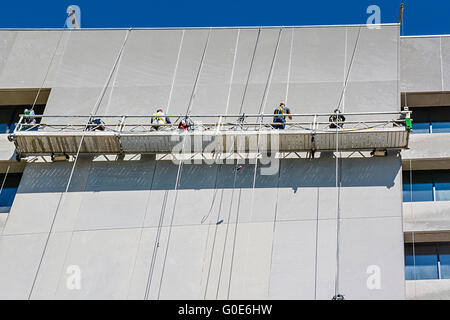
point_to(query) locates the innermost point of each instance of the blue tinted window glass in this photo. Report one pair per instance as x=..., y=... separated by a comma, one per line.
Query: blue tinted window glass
x=406, y=187
x=12, y=127
x=422, y=186
x=441, y=127
x=420, y=127
x=7, y=196
x=444, y=258
x=8, y=193
x=423, y=265
x=3, y=128
x=442, y=185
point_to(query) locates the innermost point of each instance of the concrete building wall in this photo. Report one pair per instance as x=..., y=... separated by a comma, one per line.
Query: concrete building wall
x=425, y=64
x=218, y=234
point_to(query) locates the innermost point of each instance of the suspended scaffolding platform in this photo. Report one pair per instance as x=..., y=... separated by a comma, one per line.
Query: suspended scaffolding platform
x=84, y=134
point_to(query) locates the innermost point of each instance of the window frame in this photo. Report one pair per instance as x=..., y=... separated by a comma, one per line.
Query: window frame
x=438, y=258
x=434, y=174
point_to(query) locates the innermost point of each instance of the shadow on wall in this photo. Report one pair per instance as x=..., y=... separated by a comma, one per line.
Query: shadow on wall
x=146, y=174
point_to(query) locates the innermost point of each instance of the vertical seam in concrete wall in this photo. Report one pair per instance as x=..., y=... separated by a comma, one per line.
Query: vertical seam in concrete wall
x=71, y=235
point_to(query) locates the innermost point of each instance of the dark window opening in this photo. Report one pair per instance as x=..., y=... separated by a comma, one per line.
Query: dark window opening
x=424, y=261
x=9, y=190
x=10, y=115
x=427, y=185
x=431, y=119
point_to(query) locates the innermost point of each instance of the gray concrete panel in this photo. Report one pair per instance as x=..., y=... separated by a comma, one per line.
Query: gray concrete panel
x=251, y=261
x=20, y=255
x=183, y=270
x=292, y=274
x=7, y=43
x=376, y=53
x=363, y=250
x=371, y=179
x=420, y=64
x=105, y=259
x=26, y=56
x=88, y=58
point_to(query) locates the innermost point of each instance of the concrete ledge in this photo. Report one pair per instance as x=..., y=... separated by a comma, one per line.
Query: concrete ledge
x=426, y=216
x=424, y=149
x=428, y=289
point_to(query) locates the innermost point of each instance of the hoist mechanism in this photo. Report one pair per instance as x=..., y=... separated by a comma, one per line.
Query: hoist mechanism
x=62, y=134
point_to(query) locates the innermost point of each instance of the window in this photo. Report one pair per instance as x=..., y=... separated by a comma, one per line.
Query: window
x=431, y=185
x=431, y=119
x=8, y=193
x=427, y=261
x=9, y=116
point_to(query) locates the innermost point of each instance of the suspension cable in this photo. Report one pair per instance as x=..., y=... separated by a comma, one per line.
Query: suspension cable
x=158, y=232
x=180, y=166
x=263, y=104
x=68, y=185
x=48, y=69
x=250, y=71
x=337, y=294
x=164, y=204
x=349, y=69
x=288, y=80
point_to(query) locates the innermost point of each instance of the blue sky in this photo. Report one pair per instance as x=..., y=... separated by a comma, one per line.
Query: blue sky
x=421, y=16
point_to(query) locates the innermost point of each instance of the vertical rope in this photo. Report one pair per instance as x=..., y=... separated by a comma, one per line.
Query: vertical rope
x=288, y=80
x=200, y=67
x=349, y=69
x=48, y=70
x=113, y=69
x=163, y=207
x=250, y=70
x=338, y=218
x=220, y=167
x=180, y=166
x=337, y=173
x=263, y=103
x=68, y=184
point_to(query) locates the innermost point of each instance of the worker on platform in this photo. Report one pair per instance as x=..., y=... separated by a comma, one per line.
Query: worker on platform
x=29, y=118
x=336, y=120
x=96, y=125
x=185, y=124
x=280, y=117
x=160, y=118
x=405, y=118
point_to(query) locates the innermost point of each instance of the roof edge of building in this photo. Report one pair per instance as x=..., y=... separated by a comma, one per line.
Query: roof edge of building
x=195, y=28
